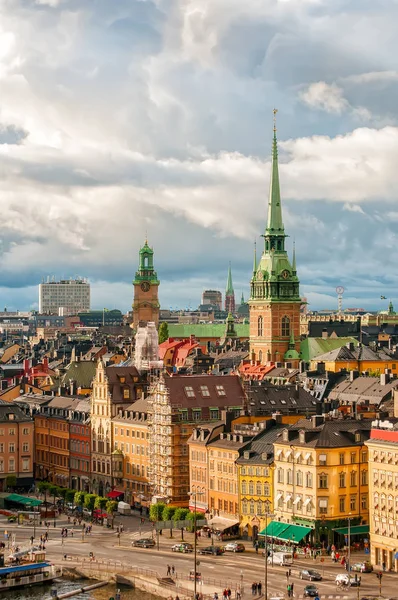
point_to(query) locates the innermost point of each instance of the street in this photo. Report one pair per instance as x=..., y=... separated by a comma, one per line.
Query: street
x=229, y=569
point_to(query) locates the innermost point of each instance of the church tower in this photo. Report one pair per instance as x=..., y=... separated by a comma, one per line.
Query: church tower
x=146, y=288
x=274, y=289
x=229, y=294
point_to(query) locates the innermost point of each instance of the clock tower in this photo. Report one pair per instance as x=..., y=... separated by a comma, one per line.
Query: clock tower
x=146, y=288
x=274, y=288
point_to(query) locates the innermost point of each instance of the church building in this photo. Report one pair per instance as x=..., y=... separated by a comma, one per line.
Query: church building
x=146, y=290
x=274, y=289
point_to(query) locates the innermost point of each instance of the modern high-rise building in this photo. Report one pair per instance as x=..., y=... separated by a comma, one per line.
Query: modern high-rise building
x=274, y=291
x=65, y=297
x=213, y=297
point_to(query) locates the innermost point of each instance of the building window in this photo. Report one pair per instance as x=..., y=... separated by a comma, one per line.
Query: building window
x=299, y=478
x=353, y=503
x=341, y=458
x=244, y=507
x=220, y=390
x=196, y=414
x=189, y=391
x=322, y=460
x=280, y=478
x=204, y=390
x=285, y=326
x=214, y=413
x=25, y=447
x=260, y=326
x=260, y=356
x=126, y=393
x=251, y=488
x=25, y=464
x=364, y=502
x=308, y=480
x=364, y=456
x=323, y=481
x=266, y=489
x=323, y=506
x=244, y=487
x=364, y=478
x=289, y=477
x=184, y=415
x=342, y=480
x=353, y=457
x=252, y=507
x=259, y=488
x=11, y=447
x=25, y=431
x=353, y=478
x=342, y=504
x=11, y=465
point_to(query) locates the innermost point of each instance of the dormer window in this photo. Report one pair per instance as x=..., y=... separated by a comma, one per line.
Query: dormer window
x=204, y=390
x=302, y=437
x=220, y=390
x=122, y=380
x=126, y=393
x=189, y=391
x=285, y=435
x=357, y=437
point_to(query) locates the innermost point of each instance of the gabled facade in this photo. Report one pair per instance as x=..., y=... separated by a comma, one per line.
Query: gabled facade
x=274, y=289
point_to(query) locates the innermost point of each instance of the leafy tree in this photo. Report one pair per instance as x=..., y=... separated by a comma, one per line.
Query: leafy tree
x=192, y=516
x=70, y=495
x=43, y=486
x=79, y=498
x=156, y=511
x=180, y=514
x=111, y=506
x=168, y=512
x=100, y=502
x=89, y=501
x=11, y=481
x=163, y=332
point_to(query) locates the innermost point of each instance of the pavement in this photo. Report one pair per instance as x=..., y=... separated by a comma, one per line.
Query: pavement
x=217, y=572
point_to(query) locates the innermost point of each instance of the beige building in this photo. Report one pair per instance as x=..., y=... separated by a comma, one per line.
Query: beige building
x=66, y=297
x=16, y=447
x=383, y=494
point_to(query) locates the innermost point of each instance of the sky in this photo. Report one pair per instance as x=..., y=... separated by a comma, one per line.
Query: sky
x=131, y=118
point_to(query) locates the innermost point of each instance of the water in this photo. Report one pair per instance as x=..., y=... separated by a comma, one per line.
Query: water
x=40, y=592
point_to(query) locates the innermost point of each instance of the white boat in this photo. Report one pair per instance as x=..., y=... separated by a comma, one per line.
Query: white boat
x=33, y=570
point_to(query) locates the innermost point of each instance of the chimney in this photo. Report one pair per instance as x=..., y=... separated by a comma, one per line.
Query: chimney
x=395, y=400
x=353, y=375
x=325, y=334
x=317, y=420
x=350, y=346
x=384, y=378
x=277, y=417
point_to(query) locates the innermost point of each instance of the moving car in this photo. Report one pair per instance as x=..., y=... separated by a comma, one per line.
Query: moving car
x=234, y=547
x=311, y=591
x=143, y=543
x=217, y=550
x=310, y=574
x=281, y=558
x=183, y=547
x=362, y=567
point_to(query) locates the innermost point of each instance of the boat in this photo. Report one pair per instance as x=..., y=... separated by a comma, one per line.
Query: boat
x=32, y=569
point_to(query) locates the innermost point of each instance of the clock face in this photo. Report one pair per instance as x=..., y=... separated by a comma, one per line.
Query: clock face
x=285, y=274
x=145, y=286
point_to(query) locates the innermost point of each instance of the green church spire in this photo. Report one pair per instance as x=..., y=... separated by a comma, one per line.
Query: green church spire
x=274, y=223
x=230, y=288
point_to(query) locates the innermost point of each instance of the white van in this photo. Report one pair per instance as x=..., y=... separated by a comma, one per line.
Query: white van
x=284, y=559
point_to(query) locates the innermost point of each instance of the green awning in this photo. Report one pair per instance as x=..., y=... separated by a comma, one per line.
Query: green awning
x=295, y=533
x=274, y=529
x=25, y=500
x=354, y=530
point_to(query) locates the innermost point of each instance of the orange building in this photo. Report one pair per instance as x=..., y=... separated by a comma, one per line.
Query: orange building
x=131, y=439
x=16, y=446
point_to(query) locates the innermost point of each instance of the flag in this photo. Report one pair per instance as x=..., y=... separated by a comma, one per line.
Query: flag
x=383, y=297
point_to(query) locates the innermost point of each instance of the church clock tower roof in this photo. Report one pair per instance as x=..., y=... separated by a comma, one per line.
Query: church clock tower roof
x=230, y=288
x=274, y=221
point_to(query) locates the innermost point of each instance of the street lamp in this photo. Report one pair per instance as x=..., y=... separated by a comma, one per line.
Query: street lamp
x=195, y=543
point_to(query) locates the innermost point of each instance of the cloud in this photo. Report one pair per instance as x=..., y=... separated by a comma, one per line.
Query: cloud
x=326, y=97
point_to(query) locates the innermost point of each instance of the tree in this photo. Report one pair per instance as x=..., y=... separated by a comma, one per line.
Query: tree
x=89, y=501
x=70, y=495
x=79, y=498
x=180, y=514
x=156, y=511
x=163, y=332
x=43, y=486
x=192, y=516
x=168, y=512
x=111, y=506
x=100, y=502
x=11, y=481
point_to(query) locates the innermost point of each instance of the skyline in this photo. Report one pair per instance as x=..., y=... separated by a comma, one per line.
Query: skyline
x=150, y=116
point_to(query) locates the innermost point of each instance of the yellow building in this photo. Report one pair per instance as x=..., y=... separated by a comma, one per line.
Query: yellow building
x=383, y=495
x=356, y=358
x=256, y=479
x=321, y=476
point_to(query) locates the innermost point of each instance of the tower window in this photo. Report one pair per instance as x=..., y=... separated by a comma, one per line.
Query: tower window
x=285, y=326
x=260, y=356
x=260, y=326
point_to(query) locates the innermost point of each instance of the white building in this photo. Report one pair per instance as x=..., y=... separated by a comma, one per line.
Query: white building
x=65, y=297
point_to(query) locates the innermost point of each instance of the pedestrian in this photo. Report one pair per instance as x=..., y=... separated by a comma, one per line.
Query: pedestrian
x=215, y=597
x=259, y=588
x=229, y=593
x=288, y=590
x=225, y=594
x=238, y=595
x=31, y=539
x=168, y=570
x=256, y=546
x=292, y=589
x=177, y=597
x=383, y=564
x=255, y=588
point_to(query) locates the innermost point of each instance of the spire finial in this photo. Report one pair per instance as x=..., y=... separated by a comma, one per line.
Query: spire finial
x=294, y=256
x=275, y=111
x=255, y=258
x=146, y=237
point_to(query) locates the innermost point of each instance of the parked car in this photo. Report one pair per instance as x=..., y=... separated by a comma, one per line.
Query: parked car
x=143, y=543
x=184, y=547
x=234, y=547
x=311, y=591
x=362, y=567
x=345, y=579
x=217, y=550
x=310, y=574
